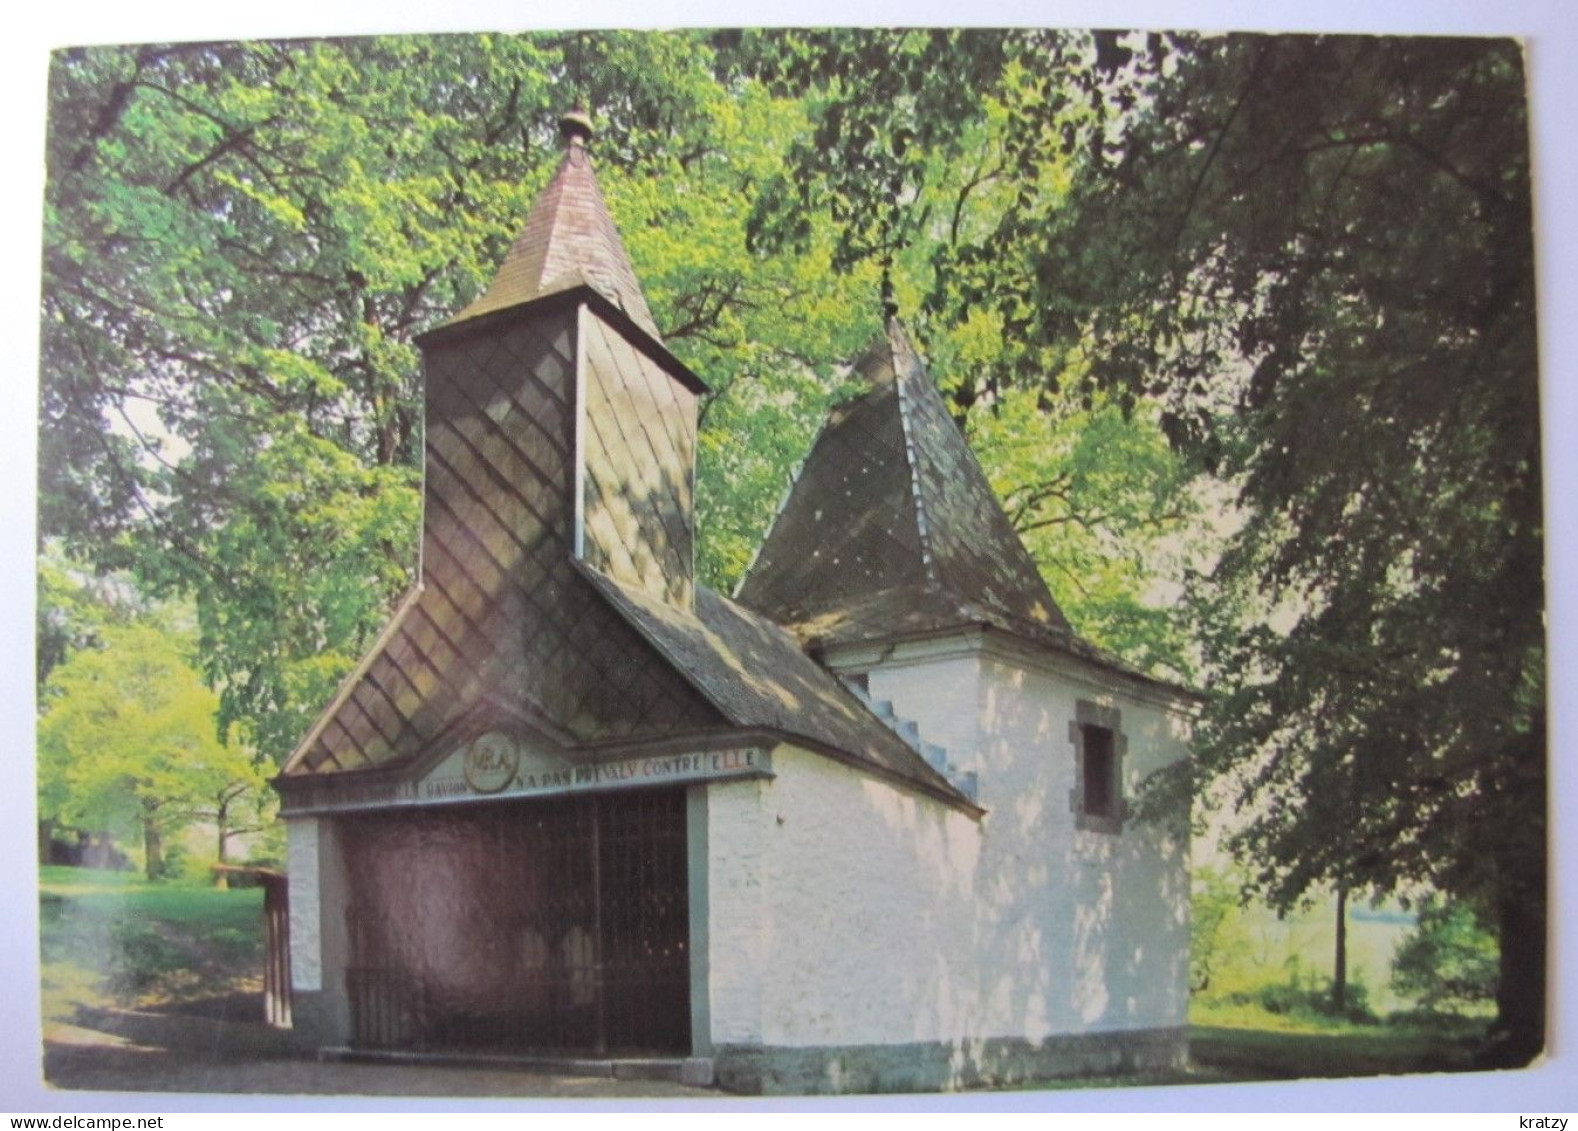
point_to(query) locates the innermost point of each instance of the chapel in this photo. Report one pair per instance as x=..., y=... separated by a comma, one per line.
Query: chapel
x=861, y=826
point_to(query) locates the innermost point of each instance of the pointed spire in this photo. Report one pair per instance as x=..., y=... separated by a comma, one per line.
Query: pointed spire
x=891, y=515
x=569, y=240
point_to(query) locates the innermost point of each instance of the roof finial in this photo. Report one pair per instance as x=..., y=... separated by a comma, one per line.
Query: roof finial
x=890, y=305
x=576, y=128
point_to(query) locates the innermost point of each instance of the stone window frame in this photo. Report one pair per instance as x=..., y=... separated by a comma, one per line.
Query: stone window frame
x=1110, y=719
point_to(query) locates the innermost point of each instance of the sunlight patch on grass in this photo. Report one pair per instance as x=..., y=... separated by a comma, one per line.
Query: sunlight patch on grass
x=110, y=938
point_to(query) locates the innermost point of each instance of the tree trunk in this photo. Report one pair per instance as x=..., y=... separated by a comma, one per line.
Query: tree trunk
x=153, y=848
x=1521, y=878
x=1339, y=978
x=222, y=822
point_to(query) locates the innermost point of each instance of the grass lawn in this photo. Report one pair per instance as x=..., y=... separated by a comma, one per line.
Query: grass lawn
x=113, y=939
x=1271, y=1054
x=1262, y=1046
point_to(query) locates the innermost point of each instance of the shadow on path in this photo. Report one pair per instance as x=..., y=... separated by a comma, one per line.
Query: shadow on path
x=203, y=1046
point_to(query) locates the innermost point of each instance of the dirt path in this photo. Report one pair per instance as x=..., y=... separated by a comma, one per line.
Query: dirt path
x=122, y=1051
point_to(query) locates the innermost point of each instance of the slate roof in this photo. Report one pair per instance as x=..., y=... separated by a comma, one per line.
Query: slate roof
x=569, y=240
x=756, y=674
x=506, y=618
x=891, y=530
x=892, y=527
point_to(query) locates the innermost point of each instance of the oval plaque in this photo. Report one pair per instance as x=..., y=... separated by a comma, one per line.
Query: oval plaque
x=491, y=762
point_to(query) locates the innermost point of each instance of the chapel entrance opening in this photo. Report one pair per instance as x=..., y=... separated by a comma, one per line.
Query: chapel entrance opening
x=546, y=926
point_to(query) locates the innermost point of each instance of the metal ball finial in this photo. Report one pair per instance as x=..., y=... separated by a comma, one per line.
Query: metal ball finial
x=576, y=127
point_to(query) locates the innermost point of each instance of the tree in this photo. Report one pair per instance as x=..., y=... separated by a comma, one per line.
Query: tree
x=241, y=242
x=128, y=745
x=1315, y=254
x=1448, y=962
x=1216, y=934
x=1106, y=510
x=1355, y=215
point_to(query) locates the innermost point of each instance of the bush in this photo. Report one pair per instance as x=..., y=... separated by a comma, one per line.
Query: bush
x=178, y=862
x=1311, y=999
x=1215, y=915
x=1450, y=963
x=141, y=958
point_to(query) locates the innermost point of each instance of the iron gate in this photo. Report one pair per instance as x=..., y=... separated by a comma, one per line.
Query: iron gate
x=556, y=925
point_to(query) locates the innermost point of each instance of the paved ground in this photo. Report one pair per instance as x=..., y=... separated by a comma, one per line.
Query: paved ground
x=120, y=1051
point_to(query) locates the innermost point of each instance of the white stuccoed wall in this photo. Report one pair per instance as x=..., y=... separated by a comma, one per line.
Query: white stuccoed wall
x=869, y=897
x=1111, y=912
x=737, y=943
x=306, y=916
x=846, y=911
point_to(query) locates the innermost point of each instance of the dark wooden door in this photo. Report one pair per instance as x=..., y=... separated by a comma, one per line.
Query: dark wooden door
x=558, y=925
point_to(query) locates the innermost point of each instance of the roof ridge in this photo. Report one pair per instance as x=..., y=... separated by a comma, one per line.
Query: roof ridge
x=896, y=336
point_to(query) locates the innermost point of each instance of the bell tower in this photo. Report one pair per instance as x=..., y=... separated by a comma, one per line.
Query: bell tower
x=560, y=435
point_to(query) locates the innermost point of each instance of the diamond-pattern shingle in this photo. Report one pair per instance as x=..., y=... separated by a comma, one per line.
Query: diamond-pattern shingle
x=558, y=536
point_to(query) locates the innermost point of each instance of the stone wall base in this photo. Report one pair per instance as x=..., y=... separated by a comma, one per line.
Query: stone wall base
x=319, y=1020
x=930, y=1066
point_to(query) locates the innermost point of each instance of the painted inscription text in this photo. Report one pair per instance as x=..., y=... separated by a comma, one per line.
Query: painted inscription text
x=495, y=773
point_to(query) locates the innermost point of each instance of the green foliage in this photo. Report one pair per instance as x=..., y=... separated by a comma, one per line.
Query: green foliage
x=1217, y=937
x=1302, y=997
x=128, y=745
x=1352, y=214
x=1449, y=963
x=73, y=607
x=1105, y=509
x=241, y=242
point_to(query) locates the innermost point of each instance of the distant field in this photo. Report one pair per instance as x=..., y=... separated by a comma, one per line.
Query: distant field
x=1304, y=944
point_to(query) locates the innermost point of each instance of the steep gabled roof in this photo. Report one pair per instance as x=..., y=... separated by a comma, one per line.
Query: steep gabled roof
x=755, y=673
x=569, y=240
x=892, y=507
x=512, y=618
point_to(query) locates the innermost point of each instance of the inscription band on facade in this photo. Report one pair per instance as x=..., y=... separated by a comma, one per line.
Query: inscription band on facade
x=446, y=788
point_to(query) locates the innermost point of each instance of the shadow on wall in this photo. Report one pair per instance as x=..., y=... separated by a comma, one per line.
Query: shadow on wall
x=1080, y=931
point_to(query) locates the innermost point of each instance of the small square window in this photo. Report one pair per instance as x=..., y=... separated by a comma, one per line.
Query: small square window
x=1100, y=791
x=1097, y=737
